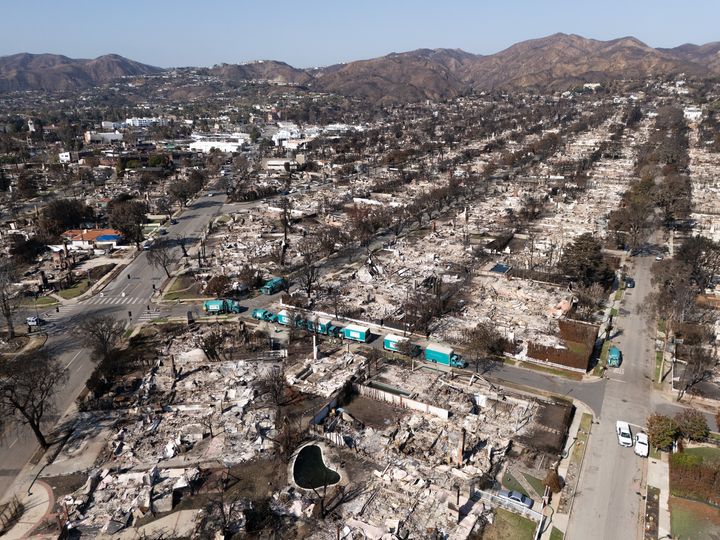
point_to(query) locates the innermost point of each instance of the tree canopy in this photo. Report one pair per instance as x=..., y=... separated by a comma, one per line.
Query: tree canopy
x=583, y=261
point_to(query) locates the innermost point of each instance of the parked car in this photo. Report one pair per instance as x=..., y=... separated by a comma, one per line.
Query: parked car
x=658, y=257
x=624, y=434
x=630, y=283
x=642, y=448
x=34, y=321
x=162, y=232
x=517, y=497
x=173, y=221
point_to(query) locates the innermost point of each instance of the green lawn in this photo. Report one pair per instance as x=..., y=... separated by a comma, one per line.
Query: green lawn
x=661, y=326
x=693, y=519
x=658, y=366
x=578, y=450
x=556, y=534
x=509, y=526
x=76, y=290
x=43, y=301
x=509, y=482
x=654, y=453
x=183, y=288
x=554, y=371
x=535, y=483
x=614, y=312
x=707, y=454
x=602, y=361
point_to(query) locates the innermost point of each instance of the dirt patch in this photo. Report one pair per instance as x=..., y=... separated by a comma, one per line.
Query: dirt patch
x=652, y=513
x=14, y=345
x=66, y=484
x=373, y=413
x=254, y=479
x=554, y=421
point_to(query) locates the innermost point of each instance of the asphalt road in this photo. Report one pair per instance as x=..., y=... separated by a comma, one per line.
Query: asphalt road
x=125, y=298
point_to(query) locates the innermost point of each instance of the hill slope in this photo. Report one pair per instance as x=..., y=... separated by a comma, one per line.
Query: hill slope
x=556, y=61
x=54, y=72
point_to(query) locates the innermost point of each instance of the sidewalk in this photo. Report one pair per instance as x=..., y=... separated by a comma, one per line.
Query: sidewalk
x=95, y=287
x=556, y=519
x=38, y=506
x=659, y=477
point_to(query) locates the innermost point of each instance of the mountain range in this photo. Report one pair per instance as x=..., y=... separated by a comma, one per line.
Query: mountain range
x=555, y=62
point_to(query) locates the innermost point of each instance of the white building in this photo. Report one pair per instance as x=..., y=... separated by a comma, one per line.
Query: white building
x=692, y=114
x=110, y=125
x=64, y=157
x=95, y=137
x=229, y=142
x=278, y=165
x=145, y=122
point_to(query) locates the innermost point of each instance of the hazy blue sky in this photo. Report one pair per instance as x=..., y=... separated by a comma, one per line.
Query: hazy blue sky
x=312, y=33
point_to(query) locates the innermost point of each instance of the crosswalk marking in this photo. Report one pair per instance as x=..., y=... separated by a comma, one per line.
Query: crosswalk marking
x=115, y=300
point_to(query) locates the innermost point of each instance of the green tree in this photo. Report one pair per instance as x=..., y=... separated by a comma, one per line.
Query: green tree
x=662, y=431
x=583, y=261
x=703, y=256
x=63, y=214
x=129, y=217
x=27, y=185
x=692, y=425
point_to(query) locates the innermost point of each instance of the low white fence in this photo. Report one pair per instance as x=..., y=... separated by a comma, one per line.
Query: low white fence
x=507, y=504
x=402, y=401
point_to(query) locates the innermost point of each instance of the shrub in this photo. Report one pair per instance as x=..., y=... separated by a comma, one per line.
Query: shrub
x=692, y=425
x=662, y=430
x=554, y=481
x=692, y=477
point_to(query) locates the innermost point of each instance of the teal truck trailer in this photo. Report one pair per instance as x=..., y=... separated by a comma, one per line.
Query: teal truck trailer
x=220, y=306
x=356, y=333
x=290, y=319
x=322, y=326
x=400, y=344
x=442, y=354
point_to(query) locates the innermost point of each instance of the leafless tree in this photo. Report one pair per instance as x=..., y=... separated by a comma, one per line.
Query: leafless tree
x=212, y=345
x=699, y=367
x=485, y=342
x=103, y=334
x=8, y=278
x=162, y=255
x=273, y=382
x=226, y=508
x=308, y=276
x=164, y=205
x=28, y=384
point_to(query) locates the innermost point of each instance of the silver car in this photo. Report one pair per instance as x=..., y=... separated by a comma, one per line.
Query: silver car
x=517, y=497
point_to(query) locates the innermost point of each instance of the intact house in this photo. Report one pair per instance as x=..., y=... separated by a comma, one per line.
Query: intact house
x=92, y=238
